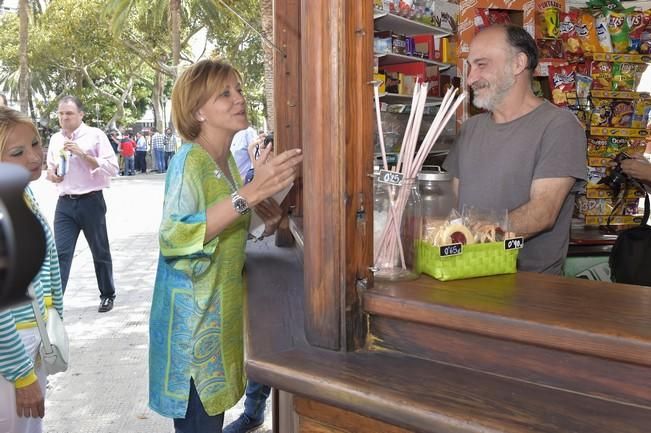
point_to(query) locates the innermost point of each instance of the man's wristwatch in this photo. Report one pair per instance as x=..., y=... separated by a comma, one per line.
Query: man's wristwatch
x=240, y=204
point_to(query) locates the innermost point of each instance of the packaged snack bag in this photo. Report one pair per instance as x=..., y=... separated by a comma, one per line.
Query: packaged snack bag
x=645, y=37
x=618, y=29
x=617, y=145
x=637, y=22
x=550, y=48
x=597, y=146
x=572, y=50
x=601, y=112
x=587, y=33
x=562, y=79
x=583, y=86
x=601, y=25
x=641, y=113
x=601, y=73
x=622, y=113
x=549, y=21
x=623, y=77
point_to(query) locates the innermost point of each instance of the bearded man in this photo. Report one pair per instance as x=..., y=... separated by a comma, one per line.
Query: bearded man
x=523, y=154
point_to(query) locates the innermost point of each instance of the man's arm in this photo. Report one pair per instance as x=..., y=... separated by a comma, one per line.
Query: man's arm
x=546, y=198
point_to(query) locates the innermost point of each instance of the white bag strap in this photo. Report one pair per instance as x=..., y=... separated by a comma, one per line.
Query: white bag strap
x=47, y=345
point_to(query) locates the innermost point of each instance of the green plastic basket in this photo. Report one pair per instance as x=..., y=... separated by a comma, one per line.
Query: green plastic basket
x=476, y=260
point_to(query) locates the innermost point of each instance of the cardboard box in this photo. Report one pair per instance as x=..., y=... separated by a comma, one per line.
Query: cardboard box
x=424, y=46
x=417, y=70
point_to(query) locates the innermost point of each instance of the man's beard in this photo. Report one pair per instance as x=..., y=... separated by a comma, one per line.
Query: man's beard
x=494, y=93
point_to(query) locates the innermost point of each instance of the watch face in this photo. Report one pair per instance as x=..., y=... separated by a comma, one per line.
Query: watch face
x=240, y=204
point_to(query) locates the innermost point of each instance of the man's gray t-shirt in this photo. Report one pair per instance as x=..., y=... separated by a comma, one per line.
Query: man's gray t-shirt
x=497, y=162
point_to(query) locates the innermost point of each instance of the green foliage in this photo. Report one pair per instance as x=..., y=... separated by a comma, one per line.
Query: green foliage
x=120, y=44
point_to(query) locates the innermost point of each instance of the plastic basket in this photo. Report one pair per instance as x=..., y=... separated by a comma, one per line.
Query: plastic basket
x=476, y=260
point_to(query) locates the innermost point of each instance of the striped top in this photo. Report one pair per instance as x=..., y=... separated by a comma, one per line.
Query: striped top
x=15, y=363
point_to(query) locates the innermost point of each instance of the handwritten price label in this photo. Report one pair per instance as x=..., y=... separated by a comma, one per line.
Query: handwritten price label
x=390, y=177
x=450, y=250
x=513, y=243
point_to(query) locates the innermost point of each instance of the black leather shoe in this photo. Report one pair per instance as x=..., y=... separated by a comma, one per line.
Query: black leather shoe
x=243, y=424
x=106, y=304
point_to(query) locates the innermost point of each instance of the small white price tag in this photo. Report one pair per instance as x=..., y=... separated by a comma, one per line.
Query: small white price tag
x=450, y=250
x=390, y=177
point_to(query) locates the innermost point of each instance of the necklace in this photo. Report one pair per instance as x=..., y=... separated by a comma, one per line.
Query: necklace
x=219, y=174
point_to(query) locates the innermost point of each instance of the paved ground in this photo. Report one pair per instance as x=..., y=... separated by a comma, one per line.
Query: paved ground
x=105, y=389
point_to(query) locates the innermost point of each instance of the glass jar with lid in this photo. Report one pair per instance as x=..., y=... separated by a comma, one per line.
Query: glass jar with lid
x=437, y=196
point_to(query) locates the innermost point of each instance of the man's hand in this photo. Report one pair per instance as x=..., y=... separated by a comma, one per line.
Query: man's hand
x=53, y=177
x=30, y=401
x=638, y=167
x=73, y=148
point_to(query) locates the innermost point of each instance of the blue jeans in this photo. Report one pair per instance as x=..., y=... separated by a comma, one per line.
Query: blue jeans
x=159, y=160
x=196, y=419
x=129, y=165
x=256, y=398
x=85, y=213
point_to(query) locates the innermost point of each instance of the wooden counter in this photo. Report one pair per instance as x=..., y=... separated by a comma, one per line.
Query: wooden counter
x=512, y=353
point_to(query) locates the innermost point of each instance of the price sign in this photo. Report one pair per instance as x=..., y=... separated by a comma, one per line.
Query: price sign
x=513, y=243
x=450, y=250
x=390, y=177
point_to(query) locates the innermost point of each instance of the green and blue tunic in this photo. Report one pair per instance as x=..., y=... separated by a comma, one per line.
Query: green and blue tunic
x=196, y=322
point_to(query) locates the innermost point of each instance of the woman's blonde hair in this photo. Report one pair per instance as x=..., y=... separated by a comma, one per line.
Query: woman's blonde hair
x=9, y=119
x=192, y=89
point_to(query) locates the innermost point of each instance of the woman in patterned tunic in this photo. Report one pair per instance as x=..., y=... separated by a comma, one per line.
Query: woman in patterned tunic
x=196, y=323
x=22, y=377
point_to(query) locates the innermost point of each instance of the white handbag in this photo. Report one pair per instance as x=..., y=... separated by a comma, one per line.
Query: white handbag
x=55, y=349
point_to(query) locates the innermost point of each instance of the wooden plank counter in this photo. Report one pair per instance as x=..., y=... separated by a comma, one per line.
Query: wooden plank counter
x=512, y=353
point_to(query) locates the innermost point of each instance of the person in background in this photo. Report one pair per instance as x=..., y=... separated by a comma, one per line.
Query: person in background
x=80, y=163
x=170, y=146
x=141, y=153
x=127, y=151
x=158, y=150
x=196, y=365
x=240, y=149
x=523, y=154
x=3, y=100
x=22, y=376
x=114, y=140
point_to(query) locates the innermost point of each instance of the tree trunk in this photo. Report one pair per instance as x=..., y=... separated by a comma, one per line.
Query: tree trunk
x=23, y=80
x=266, y=12
x=156, y=94
x=175, y=29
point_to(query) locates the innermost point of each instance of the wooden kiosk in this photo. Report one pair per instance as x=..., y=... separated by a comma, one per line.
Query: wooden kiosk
x=514, y=353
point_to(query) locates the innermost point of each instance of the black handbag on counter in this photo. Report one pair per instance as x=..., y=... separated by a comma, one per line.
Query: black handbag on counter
x=630, y=257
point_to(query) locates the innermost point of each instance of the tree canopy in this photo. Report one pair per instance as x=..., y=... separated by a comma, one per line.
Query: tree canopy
x=74, y=48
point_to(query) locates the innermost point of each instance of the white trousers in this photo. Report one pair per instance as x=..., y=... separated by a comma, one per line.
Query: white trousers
x=10, y=422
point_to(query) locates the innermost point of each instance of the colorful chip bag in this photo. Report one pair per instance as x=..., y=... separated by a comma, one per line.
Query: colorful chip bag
x=549, y=20
x=601, y=112
x=622, y=113
x=583, y=86
x=550, y=48
x=587, y=33
x=601, y=73
x=623, y=77
x=603, y=35
x=641, y=113
x=637, y=22
x=572, y=50
x=597, y=146
x=618, y=29
x=562, y=80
